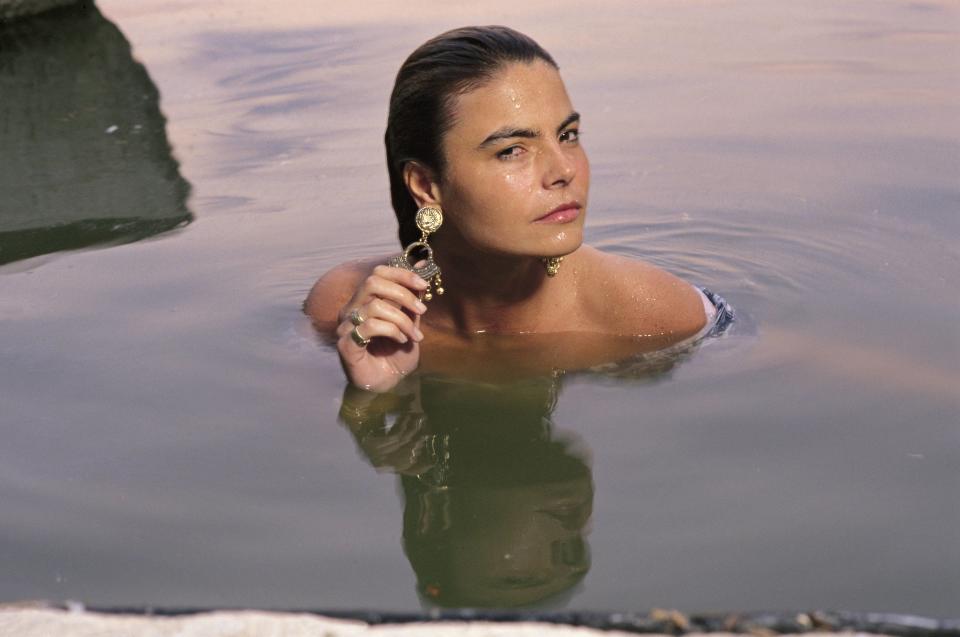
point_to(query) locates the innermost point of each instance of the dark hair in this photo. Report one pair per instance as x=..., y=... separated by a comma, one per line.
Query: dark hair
x=421, y=102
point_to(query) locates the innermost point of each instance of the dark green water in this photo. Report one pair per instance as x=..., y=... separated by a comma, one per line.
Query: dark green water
x=173, y=433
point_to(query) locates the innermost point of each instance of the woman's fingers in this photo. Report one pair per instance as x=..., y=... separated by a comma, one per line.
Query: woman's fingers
x=386, y=305
x=387, y=311
x=372, y=328
x=406, y=278
x=393, y=284
x=384, y=311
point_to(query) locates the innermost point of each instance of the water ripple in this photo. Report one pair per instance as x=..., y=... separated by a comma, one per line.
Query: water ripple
x=766, y=252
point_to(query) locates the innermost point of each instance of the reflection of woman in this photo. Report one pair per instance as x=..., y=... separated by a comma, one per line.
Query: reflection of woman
x=496, y=504
x=481, y=128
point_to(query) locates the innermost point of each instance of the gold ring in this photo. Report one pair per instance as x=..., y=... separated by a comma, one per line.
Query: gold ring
x=357, y=338
x=355, y=317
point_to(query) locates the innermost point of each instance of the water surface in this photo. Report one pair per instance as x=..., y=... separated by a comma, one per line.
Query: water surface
x=175, y=434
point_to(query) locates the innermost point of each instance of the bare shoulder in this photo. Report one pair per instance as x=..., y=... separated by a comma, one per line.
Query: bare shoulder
x=332, y=290
x=631, y=296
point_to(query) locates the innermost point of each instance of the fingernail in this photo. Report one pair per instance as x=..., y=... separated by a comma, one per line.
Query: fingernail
x=419, y=334
x=421, y=307
x=422, y=284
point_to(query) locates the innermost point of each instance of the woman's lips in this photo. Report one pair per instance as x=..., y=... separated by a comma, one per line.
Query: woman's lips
x=561, y=214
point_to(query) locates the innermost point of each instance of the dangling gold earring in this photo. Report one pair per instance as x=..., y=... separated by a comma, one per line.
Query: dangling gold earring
x=553, y=265
x=429, y=219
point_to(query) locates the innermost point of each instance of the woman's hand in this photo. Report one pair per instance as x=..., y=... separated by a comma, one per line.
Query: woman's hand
x=388, y=309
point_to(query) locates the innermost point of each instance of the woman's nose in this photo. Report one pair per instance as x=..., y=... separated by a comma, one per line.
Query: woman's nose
x=560, y=168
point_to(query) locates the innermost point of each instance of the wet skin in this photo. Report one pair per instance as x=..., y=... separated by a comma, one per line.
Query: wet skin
x=514, y=190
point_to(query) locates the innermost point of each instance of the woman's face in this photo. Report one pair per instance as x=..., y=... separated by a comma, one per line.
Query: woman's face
x=513, y=157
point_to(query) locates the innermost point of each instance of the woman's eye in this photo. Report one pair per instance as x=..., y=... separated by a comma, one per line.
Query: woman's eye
x=509, y=153
x=571, y=135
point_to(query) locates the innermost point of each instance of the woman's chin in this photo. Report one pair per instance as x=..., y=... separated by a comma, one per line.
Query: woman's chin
x=562, y=246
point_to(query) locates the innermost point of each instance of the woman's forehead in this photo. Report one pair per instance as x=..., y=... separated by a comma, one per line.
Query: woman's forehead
x=520, y=94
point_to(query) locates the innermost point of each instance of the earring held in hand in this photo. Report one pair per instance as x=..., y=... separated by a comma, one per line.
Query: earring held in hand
x=429, y=219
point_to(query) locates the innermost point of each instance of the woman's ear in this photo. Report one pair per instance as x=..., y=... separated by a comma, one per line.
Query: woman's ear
x=422, y=184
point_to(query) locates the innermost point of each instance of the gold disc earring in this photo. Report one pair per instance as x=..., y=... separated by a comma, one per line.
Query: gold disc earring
x=553, y=265
x=428, y=219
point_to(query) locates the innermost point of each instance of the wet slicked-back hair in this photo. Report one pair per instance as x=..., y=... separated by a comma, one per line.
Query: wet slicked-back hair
x=421, y=104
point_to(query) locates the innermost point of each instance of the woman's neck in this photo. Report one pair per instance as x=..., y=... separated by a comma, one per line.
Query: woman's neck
x=486, y=292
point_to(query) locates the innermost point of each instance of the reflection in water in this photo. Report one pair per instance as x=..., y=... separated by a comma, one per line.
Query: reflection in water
x=85, y=156
x=496, y=503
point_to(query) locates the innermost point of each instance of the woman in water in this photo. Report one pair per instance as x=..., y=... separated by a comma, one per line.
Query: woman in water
x=486, y=168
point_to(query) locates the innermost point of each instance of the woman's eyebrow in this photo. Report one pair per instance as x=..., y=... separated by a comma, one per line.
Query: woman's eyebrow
x=506, y=133
x=571, y=118
x=530, y=133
